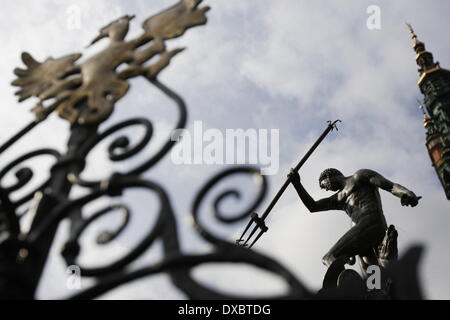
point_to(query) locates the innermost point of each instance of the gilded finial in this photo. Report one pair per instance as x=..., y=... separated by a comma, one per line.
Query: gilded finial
x=411, y=30
x=418, y=45
x=424, y=58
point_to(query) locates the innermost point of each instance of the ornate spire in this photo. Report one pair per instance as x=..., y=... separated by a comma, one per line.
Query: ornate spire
x=424, y=58
x=434, y=83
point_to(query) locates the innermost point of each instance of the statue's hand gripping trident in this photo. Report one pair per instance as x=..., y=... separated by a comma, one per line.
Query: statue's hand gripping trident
x=260, y=221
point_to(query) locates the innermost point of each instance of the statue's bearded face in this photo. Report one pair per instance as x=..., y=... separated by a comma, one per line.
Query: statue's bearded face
x=331, y=179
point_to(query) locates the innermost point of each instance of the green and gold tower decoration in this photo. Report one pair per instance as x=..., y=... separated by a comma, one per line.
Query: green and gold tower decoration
x=434, y=83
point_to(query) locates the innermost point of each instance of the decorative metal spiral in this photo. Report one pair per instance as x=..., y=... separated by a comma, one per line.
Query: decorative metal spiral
x=72, y=248
x=230, y=193
x=25, y=175
x=175, y=263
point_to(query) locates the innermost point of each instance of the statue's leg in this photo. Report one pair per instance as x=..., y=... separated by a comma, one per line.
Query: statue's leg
x=346, y=247
x=359, y=240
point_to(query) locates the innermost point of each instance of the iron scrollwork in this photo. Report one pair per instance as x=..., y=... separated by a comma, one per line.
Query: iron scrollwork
x=85, y=94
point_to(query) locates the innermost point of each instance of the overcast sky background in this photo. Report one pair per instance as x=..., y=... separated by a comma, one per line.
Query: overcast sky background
x=288, y=65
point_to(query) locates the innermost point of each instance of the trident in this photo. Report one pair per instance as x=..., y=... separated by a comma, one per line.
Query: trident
x=260, y=221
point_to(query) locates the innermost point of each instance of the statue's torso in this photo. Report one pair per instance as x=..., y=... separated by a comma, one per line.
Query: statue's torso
x=361, y=200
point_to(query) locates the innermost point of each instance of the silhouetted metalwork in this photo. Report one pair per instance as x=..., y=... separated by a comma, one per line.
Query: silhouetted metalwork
x=85, y=95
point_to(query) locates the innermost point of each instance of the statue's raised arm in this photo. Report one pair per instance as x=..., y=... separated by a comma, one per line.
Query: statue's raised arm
x=408, y=198
x=330, y=203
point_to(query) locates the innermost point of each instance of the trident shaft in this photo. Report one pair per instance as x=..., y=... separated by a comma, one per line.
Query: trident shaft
x=259, y=222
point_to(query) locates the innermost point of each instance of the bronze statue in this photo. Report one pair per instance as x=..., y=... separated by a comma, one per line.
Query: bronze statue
x=357, y=195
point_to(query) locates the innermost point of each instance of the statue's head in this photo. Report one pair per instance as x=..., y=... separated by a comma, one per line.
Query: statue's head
x=331, y=179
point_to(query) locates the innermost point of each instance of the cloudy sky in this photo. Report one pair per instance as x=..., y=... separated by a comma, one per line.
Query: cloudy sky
x=290, y=65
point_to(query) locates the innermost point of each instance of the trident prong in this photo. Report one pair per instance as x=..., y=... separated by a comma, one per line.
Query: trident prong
x=259, y=224
x=334, y=124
